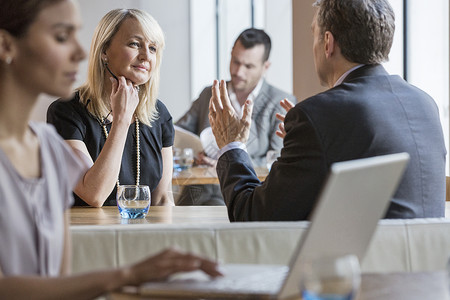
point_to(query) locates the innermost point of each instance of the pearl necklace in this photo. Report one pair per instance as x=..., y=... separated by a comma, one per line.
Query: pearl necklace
x=138, y=150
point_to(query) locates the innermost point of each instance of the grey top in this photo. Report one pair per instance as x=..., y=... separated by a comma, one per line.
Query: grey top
x=31, y=209
x=264, y=123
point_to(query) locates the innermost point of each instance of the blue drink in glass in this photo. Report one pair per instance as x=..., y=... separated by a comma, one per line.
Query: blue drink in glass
x=133, y=201
x=306, y=295
x=330, y=278
x=133, y=213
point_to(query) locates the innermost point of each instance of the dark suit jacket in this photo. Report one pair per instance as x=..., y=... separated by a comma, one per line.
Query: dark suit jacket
x=371, y=113
x=264, y=124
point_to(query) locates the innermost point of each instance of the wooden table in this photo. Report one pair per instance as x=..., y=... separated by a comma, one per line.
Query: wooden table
x=405, y=286
x=109, y=215
x=393, y=286
x=157, y=214
x=206, y=175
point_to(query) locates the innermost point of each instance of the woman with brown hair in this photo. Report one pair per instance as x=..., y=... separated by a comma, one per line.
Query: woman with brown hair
x=40, y=53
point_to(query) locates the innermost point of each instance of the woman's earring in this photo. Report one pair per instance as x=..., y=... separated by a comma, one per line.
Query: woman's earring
x=8, y=60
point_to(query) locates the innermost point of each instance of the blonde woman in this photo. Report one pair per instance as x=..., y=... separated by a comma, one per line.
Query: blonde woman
x=115, y=119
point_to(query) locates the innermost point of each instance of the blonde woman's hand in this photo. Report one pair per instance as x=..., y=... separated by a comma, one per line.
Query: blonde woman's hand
x=124, y=100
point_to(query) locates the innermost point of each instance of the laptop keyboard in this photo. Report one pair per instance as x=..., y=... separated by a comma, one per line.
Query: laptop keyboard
x=266, y=281
x=237, y=280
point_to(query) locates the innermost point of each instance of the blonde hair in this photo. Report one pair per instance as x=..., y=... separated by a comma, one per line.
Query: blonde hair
x=93, y=89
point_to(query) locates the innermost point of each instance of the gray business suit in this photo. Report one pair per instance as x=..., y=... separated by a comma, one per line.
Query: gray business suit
x=262, y=134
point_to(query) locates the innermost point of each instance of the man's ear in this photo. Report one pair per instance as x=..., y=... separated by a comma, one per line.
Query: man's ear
x=329, y=44
x=266, y=65
x=7, y=48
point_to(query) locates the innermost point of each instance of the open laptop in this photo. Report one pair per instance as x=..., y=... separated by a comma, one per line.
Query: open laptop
x=355, y=196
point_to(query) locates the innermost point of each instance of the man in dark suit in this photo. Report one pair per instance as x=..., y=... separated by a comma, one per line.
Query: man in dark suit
x=248, y=65
x=366, y=112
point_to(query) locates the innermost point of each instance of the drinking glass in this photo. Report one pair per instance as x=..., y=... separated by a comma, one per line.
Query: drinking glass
x=182, y=159
x=133, y=201
x=331, y=278
x=177, y=159
x=187, y=158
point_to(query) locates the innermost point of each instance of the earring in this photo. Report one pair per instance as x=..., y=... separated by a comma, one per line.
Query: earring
x=105, y=61
x=8, y=60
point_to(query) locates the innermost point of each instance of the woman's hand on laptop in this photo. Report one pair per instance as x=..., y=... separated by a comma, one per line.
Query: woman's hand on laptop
x=166, y=263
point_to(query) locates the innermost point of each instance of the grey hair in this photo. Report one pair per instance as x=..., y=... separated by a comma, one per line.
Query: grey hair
x=363, y=29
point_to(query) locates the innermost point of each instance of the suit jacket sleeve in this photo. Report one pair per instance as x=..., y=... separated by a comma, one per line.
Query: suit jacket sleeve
x=294, y=181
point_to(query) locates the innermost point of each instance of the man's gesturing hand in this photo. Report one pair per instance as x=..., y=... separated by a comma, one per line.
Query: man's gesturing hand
x=225, y=123
x=287, y=105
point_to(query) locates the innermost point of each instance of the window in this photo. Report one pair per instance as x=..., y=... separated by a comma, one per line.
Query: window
x=215, y=25
x=427, y=54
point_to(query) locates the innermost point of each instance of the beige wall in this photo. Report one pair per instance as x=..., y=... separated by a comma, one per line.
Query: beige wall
x=306, y=82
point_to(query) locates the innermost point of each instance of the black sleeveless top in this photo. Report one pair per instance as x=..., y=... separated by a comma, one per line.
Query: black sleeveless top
x=74, y=122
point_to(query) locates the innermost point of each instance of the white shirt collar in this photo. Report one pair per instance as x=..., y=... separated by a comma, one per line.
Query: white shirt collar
x=252, y=96
x=341, y=79
x=256, y=90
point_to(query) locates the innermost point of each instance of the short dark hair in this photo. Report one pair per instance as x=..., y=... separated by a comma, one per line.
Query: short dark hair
x=251, y=37
x=363, y=29
x=16, y=16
